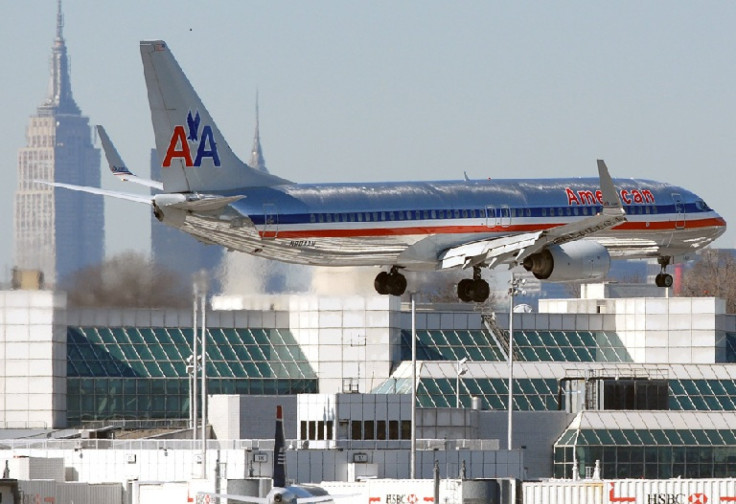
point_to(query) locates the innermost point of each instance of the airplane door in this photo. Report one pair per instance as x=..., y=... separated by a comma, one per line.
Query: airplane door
x=270, y=221
x=498, y=216
x=505, y=216
x=491, y=217
x=679, y=211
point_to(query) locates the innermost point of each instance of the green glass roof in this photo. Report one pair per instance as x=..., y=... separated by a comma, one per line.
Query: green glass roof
x=529, y=345
x=648, y=437
x=162, y=353
x=529, y=394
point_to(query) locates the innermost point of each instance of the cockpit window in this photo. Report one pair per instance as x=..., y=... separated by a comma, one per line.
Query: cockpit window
x=701, y=205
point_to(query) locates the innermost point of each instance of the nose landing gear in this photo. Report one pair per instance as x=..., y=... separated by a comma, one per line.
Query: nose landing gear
x=475, y=289
x=392, y=282
x=663, y=279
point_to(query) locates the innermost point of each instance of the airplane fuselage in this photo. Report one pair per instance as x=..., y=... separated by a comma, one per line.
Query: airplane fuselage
x=409, y=224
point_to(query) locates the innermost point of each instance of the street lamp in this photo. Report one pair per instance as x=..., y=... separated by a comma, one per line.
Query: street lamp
x=461, y=370
x=200, y=287
x=514, y=289
x=413, y=451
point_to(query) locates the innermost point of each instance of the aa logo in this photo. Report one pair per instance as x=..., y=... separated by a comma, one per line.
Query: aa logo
x=182, y=143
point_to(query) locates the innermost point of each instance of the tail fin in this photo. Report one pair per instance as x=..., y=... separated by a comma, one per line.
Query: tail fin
x=194, y=155
x=279, y=451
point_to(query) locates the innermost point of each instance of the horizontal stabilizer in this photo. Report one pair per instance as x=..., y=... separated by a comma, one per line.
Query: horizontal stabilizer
x=206, y=204
x=138, y=198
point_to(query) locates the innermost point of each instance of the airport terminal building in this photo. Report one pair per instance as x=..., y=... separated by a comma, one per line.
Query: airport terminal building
x=644, y=385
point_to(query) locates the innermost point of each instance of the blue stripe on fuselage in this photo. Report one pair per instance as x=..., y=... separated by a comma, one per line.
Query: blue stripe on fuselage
x=303, y=204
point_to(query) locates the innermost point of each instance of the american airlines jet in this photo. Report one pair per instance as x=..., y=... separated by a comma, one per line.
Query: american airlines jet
x=559, y=229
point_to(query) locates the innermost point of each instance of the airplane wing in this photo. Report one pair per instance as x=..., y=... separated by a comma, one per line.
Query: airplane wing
x=117, y=166
x=516, y=247
x=138, y=198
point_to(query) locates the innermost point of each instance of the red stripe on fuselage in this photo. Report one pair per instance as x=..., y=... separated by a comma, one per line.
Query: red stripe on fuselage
x=519, y=228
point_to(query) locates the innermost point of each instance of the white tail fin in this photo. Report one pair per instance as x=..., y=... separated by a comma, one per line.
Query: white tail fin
x=193, y=154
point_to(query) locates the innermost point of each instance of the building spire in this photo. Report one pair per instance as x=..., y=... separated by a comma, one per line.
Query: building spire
x=59, y=99
x=257, y=160
x=59, y=21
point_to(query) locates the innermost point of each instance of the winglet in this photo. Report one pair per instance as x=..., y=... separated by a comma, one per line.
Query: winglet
x=610, y=196
x=117, y=167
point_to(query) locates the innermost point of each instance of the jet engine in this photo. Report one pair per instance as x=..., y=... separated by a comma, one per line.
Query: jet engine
x=570, y=262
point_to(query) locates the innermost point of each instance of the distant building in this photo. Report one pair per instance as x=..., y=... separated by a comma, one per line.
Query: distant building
x=257, y=160
x=58, y=231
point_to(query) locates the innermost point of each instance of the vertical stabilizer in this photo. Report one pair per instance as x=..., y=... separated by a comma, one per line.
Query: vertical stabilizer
x=279, y=452
x=193, y=154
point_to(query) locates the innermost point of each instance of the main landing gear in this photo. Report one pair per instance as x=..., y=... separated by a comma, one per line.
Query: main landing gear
x=391, y=282
x=663, y=279
x=475, y=289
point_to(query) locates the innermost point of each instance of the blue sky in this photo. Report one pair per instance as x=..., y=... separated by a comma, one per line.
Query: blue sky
x=385, y=90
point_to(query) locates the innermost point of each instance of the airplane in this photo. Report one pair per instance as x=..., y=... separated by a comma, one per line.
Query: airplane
x=280, y=493
x=561, y=230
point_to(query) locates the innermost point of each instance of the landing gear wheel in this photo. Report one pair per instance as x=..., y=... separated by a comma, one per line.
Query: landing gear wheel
x=476, y=290
x=664, y=280
x=381, y=283
x=396, y=284
x=393, y=283
x=481, y=291
x=464, y=288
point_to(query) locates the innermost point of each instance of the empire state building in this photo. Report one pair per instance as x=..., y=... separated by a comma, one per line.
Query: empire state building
x=58, y=231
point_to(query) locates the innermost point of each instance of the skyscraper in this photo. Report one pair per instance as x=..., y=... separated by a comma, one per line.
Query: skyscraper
x=58, y=231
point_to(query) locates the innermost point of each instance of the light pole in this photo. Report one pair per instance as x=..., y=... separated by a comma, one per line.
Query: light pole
x=413, y=454
x=461, y=370
x=195, y=356
x=513, y=291
x=200, y=290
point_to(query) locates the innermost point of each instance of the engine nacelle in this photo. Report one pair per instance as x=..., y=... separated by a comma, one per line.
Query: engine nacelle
x=570, y=262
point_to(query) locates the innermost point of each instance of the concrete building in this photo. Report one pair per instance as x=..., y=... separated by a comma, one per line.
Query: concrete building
x=644, y=386
x=48, y=234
